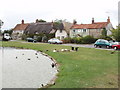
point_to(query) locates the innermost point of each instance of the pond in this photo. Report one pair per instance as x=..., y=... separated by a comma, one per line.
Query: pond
x=22, y=68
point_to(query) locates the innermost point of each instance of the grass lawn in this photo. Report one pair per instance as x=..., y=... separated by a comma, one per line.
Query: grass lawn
x=87, y=68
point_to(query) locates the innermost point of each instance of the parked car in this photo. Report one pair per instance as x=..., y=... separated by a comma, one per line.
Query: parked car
x=6, y=37
x=31, y=40
x=102, y=43
x=55, y=41
x=116, y=45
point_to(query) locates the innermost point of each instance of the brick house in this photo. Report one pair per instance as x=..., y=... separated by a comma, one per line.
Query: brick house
x=94, y=29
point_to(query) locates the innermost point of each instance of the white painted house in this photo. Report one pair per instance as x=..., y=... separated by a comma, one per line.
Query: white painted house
x=61, y=34
x=94, y=29
x=19, y=30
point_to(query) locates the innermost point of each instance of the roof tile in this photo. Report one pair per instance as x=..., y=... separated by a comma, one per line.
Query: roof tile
x=96, y=25
x=20, y=27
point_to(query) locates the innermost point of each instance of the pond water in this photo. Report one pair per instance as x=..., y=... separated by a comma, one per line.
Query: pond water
x=22, y=68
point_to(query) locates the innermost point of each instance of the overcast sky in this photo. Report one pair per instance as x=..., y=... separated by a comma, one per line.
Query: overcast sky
x=13, y=11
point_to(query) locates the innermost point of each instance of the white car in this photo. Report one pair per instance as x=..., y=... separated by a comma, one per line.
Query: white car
x=55, y=41
x=6, y=37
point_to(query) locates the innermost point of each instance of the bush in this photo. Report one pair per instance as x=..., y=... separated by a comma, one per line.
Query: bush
x=67, y=40
x=106, y=38
x=51, y=35
x=30, y=35
x=39, y=39
x=24, y=37
x=76, y=40
x=88, y=39
x=80, y=40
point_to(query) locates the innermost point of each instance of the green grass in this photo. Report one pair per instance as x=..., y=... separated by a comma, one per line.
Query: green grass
x=87, y=68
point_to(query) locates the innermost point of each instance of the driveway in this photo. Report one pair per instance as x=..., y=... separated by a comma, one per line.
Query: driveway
x=85, y=45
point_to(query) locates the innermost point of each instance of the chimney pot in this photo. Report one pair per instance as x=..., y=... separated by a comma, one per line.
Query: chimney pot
x=74, y=22
x=37, y=20
x=22, y=21
x=108, y=20
x=92, y=20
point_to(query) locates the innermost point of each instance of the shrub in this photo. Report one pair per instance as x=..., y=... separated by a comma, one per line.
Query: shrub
x=67, y=40
x=51, y=35
x=39, y=39
x=24, y=37
x=88, y=39
x=76, y=40
x=106, y=38
x=30, y=35
x=72, y=40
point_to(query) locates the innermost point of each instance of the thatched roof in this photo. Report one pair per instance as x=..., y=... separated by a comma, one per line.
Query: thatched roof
x=42, y=27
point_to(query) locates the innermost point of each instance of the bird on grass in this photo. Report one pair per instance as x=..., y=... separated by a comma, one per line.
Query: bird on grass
x=28, y=58
x=42, y=85
x=53, y=65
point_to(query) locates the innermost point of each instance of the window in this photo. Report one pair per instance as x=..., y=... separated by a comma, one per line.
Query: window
x=84, y=30
x=79, y=30
x=73, y=30
x=62, y=37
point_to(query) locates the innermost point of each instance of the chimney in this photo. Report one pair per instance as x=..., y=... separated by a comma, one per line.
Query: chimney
x=92, y=20
x=74, y=22
x=37, y=20
x=22, y=21
x=108, y=20
x=52, y=23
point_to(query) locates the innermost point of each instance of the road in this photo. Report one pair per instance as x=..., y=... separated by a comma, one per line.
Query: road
x=85, y=45
x=76, y=45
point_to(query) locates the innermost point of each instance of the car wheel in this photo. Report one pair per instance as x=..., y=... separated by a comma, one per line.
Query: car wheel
x=115, y=48
x=100, y=46
x=56, y=43
x=95, y=46
x=107, y=47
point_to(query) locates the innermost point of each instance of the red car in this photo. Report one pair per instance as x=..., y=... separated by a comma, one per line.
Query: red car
x=116, y=45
